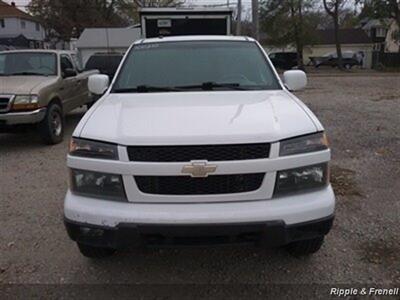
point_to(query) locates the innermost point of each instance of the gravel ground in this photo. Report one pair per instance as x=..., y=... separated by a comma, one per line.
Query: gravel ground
x=362, y=118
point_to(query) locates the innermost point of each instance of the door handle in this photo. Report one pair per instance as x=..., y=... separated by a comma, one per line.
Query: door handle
x=62, y=88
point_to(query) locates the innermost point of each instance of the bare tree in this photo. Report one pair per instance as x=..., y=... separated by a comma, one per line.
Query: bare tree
x=333, y=8
x=296, y=14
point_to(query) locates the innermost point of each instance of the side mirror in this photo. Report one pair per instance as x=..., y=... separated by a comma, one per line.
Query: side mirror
x=295, y=80
x=98, y=84
x=69, y=73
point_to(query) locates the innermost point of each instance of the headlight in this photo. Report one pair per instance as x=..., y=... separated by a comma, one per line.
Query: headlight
x=92, y=149
x=304, y=144
x=302, y=178
x=97, y=185
x=25, y=102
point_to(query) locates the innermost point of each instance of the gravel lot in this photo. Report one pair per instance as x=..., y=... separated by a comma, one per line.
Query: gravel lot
x=362, y=117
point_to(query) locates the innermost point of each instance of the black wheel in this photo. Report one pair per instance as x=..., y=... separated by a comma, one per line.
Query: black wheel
x=306, y=247
x=95, y=252
x=52, y=126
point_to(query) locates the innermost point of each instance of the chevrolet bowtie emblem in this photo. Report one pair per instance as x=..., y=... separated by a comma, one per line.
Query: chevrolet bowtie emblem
x=199, y=169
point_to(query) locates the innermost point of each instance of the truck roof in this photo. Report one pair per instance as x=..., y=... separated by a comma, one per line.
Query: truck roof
x=194, y=38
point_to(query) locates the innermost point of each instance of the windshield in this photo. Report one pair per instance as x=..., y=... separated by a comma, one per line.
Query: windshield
x=28, y=63
x=195, y=65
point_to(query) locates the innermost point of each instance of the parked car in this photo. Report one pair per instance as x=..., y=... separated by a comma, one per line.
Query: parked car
x=37, y=88
x=284, y=60
x=106, y=63
x=349, y=60
x=198, y=141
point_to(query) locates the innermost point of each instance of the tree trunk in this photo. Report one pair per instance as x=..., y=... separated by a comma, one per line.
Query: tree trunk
x=333, y=11
x=337, y=40
x=295, y=8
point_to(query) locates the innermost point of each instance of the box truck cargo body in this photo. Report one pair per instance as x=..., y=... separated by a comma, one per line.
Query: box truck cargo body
x=158, y=22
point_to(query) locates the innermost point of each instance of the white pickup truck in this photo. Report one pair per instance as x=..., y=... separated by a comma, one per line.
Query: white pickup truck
x=197, y=141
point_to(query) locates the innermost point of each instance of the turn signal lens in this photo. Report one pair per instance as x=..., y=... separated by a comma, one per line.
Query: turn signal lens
x=93, y=149
x=25, y=102
x=304, y=144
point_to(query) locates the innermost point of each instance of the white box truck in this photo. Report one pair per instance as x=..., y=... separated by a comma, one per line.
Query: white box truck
x=156, y=22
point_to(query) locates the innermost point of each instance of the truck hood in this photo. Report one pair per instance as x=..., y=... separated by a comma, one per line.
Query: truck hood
x=191, y=118
x=23, y=85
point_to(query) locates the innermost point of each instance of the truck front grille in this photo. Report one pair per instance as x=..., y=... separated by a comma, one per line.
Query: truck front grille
x=202, y=152
x=4, y=103
x=184, y=185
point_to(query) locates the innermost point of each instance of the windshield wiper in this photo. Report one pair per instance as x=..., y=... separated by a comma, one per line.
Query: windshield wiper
x=209, y=86
x=146, y=89
x=26, y=74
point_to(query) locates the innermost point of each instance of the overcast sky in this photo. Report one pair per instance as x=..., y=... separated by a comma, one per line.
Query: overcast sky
x=196, y=2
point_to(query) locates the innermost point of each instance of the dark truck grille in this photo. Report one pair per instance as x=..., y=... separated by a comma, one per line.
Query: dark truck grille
x=184, y=185
x=203, y=152
x=4, y=100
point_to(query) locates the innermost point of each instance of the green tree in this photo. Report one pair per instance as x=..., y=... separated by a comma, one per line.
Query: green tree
x=64, y=20
x=288, y=22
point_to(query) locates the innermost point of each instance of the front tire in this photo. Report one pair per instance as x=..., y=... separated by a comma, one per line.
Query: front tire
x=95, y=252
x=52, y=127
x=305, y=247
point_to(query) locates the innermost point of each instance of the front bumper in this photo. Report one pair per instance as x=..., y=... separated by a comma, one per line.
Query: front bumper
x=20, y=118
x=267, y=234
x=280, y=215
x=291, y=209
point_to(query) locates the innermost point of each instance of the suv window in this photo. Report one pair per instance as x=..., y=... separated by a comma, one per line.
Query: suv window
x=106, y=64
x=167, y=64
x=66, y=63
x=77, y=62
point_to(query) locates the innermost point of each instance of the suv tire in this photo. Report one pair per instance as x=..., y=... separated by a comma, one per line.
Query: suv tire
x=306, y=247
x=95, y=252
x=52, y=127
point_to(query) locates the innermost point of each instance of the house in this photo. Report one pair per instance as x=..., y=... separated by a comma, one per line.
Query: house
x=95, y=40
x=391, y=43
x=377, y=31
x=351, y=40
x=18, y=29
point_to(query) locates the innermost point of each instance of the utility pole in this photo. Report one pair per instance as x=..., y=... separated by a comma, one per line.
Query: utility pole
x=239, y=18
x=256, y=29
